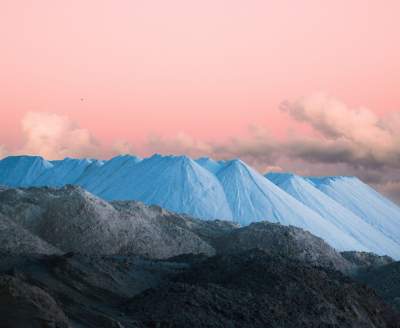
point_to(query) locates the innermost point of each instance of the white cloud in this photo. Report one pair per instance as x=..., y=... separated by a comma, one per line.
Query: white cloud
x=55, y=136
x=363, y=137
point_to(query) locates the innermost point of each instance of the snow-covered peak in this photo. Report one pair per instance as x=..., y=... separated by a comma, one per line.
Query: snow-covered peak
x=276, y=177
x=22, y=170
x=155, y=156
x=98, y=179
x=254, y=198
x=209, y=164
x=176, y=183
x=236, y=162
x=368, y=237
x=182, y=159
x=125, y=157
x=15, y=160
x=237, y=166
x=364, y=201
x=63, y=172
x=72, y=159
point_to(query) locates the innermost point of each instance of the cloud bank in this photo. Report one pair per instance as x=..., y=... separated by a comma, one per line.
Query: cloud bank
x=346, y=141
x=354, y=136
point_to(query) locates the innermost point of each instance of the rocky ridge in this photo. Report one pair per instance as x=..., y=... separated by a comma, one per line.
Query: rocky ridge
x=126, y=264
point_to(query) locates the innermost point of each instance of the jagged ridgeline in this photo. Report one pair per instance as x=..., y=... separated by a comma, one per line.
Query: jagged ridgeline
x=345, y=212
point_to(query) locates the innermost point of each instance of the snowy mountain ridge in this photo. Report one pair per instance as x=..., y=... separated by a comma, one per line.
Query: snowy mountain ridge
x=342, y=217
x=344, y=211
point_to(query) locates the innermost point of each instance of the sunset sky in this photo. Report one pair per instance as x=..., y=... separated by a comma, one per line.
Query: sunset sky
x=310, y=86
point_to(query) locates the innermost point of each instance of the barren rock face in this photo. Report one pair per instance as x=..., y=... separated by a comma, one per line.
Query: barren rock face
x=17, y=240
x=253, y=289
x=23, y=305
x=290, y=242
x=72, y=219
x=365, y=259
x=120, y=274
x=385, y=279
x=156, y=233
x=248, y=289
x=91, y=289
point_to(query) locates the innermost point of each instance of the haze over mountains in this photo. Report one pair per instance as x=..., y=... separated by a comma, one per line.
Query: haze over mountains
x=345, y=212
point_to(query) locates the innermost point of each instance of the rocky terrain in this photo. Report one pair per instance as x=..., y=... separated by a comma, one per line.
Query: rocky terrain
x=254, y=289
x=366, y=260
x=70, y=259
x=343, y=211
x=385, y=280
x=24, y=305
x=72, y=219
x=248, y=289
x=289, y=242
x=16, y=239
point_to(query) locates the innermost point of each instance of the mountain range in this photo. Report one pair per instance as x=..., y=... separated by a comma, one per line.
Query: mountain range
x=344, y=211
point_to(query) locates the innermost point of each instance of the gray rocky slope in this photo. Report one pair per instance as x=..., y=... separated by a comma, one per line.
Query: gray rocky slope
x=25, y=305
x=247, y=289
x=365, y=260
x=17, y=240
x=214, y=276
x=286, y=241
x=70, y=219
x=385, y=279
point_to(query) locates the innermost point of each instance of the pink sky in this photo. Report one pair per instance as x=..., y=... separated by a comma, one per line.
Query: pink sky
x=206, y=68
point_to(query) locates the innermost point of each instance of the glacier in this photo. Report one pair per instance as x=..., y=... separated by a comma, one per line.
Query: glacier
x=344, y=211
